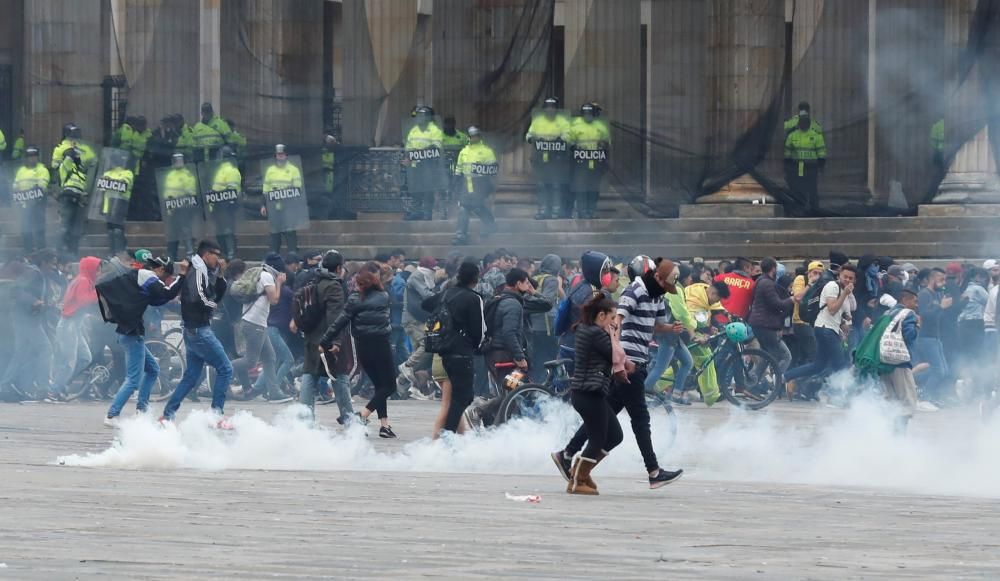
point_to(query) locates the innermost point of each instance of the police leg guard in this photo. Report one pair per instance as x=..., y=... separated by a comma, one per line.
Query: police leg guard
x=566, y=207
x=427, y=212
x=416, y=206
x=592, y=203
x=292, y=241
x=544, y=195
x=462, y=232
x=172, y=249
x=275, y=242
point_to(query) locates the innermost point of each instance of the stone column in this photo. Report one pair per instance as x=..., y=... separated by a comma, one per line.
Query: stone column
x=972, y=175
x=745, y=54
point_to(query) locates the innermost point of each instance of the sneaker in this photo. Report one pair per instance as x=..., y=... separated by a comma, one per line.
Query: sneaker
x=663, y=478
x=360, y=419
x=926, y=406
x=111, y=422
x=386, y=432
x=223, y=424
x=406, y=374
x=279, y=398
x=415, y=393
x=54, y=397
x=473, y=418
x=164, y=421
x=563, y=464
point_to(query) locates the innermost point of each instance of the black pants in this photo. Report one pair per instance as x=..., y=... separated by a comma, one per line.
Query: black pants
x=805, y=344
x=291, y=238
x=805, y=186
x=600, y=422
x=375, y=355
x=72, y=214
x=116, y=238
x=631, y=397
x=461, y=375
x=227, y=242
x=548, y=198
x=173, y=248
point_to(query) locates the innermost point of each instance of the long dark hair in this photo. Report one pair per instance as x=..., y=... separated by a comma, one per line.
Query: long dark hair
x=595, y=306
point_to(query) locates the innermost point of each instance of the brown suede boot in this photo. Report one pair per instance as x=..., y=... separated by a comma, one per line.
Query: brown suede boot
x=581, y=482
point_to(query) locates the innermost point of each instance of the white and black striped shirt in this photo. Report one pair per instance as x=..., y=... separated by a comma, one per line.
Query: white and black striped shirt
x=640, y=314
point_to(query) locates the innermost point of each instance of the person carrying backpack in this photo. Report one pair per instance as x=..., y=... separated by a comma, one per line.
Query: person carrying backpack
x=123, y=296
x=544, y=340
x=419, y=286
x=327, y=298
x=258, y=289
x=455, y=331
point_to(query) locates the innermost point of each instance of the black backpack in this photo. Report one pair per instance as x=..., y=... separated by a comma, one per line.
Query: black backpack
x=440, y=334
x=809, y=307
x=307, y=307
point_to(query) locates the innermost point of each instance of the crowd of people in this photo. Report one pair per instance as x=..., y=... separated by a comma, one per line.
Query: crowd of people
x=318, y=329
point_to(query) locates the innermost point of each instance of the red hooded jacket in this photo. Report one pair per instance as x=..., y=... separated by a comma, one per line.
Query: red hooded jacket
x=81, y=291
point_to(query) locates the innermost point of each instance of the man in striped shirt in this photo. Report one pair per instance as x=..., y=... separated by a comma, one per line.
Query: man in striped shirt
x=641, y=313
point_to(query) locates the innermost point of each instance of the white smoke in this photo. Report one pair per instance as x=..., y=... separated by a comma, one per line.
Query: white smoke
x=820, y=446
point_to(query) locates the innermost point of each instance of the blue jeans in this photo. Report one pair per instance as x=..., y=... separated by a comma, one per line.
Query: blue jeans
x=830, y=356
x=283, y=356
x=664, y=355
x=203, y=347
x=141, y=370
x=932, y=383
x=341, y=391
x=72, y=351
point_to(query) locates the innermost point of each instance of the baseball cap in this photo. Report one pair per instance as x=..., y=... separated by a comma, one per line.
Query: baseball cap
x=909, y=267
x=816, y=264
x=953, y=269
x=142, y=255
x=991, y=263
x=895, y=270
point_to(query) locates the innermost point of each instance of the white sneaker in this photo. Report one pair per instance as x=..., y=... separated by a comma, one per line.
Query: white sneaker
x=926, y=406
x=406, y=374
x=111, y=422
x=415, y=393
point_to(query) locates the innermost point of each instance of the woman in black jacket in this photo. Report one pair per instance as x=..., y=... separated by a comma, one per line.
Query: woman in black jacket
x=367, y=311
x=589, y=386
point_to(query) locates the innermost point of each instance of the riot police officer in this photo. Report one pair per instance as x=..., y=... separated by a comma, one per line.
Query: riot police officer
x=547, y=136
x=590, y=139
x=425, y=175
x=283, y=179
x=28, y=197
x=477, y=169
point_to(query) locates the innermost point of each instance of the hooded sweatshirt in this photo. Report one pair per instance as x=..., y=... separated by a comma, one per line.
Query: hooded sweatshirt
x=81, y=292
x=547, y=285
x=592, y=264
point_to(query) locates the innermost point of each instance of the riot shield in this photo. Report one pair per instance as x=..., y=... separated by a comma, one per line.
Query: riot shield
x=424, y=156
x=222, y=195
x=550, y=152
x=180, y=205
x=112, y=188
x=26, y=189
x=590, y=141
x=284, y=194
x=478, y=167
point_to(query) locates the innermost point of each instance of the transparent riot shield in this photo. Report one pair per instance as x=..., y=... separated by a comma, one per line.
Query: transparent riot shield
x=591, y=144
x=181, y=206
x=284, y=194
x=478, y=167
x=112, y=188
x=222, y=195
x=550, y=152
x=26, y=188
x=424, y=155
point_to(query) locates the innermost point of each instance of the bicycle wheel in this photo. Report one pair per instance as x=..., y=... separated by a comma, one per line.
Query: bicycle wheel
x=661, y=409
x=175, y=337
x=527, y=401
x=171, y=368
x=757, y=380
x=95, y=376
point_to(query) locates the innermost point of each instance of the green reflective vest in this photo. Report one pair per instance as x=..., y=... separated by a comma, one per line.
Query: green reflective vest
x=805, y=147
x=227, y=177
x=87, y=155
x=424, y=138
x=73, y=177
x=476, y=160
x=18, y=151
x=457, y=140
x=30, y=178
x=792, y=122
x=179, y=182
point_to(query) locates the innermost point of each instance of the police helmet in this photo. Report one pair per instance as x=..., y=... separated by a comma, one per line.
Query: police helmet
x=227, y=151
x=424, y=110
x=72, y=130
x=177, y=155
x=639, y=266
x=473, y=131
x=550, y=103
x=587, y=108
x=30, y=151
x=279, y=148
x=596, y=107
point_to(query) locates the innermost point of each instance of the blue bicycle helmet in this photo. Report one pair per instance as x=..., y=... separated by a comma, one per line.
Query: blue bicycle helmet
x=739, y=332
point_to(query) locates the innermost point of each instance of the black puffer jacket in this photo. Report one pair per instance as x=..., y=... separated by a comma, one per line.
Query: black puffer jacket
x=368, y=316
x=592, y=371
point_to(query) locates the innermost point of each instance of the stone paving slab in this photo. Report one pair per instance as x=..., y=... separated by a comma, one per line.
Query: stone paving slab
x=62, y=522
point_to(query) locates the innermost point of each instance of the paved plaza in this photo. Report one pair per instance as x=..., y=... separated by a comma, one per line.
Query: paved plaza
x=765, y=496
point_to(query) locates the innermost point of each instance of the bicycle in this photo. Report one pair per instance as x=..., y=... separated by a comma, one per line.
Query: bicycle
x=749, y=377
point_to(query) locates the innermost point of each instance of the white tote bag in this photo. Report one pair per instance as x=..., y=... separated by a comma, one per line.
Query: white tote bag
x=891, y=347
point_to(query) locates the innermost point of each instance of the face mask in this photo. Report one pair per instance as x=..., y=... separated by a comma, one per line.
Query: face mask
x=606, y=280
x=906, y=277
